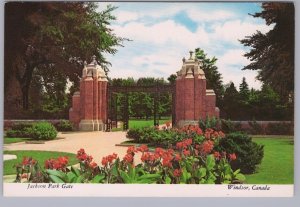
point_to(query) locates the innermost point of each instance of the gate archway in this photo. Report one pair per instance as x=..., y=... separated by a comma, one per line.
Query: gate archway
x=157, y=90
x=191, y=100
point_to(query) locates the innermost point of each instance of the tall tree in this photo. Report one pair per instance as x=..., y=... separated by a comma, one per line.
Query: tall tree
x=244, y=90
x=213, y=77
x=272, y=54
x=43, y=35
x=231, y=97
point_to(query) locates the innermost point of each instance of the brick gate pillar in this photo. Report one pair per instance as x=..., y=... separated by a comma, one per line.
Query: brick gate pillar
x=88, y=112
x=193, y=100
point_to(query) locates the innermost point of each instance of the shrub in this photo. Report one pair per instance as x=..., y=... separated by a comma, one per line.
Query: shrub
x=135, y=134
x=281, y=128
x=229, y=126
x=210, y=122
x=21, y=126
x=249, y=154
x=43, y=131
x=64, y=125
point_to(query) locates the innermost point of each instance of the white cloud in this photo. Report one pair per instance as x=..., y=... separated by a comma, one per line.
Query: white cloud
x=160, y=43
x=126, y=16
x=230, y=66
x=234, y=30
x=207, y=16
x=166, y=32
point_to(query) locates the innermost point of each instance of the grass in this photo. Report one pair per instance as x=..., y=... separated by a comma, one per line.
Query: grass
x=40, y=156
x=277, y=166
x=141, y=123
x=10, y=140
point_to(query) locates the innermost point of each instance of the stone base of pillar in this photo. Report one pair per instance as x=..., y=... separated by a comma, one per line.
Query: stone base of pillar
x=183, y=123
x=101, y=125
x=96, y=125
x=86, y=125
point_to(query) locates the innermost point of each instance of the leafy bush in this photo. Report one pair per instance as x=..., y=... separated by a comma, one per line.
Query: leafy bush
x=64, y=125
x=43, y=131
x=22, y=130
x=281, y=128
x=210, y=122
x=229, y=126
x=249, y=154
x=21, y=126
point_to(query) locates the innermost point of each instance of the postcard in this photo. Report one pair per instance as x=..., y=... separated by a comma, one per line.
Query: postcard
x=149, y=99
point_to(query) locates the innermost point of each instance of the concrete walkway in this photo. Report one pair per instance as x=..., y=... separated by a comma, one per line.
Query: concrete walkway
x=97, y=144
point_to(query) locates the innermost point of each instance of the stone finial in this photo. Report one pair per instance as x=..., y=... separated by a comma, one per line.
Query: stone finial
x=94, y=60
x=183, y=59
x=85, y=63
x=191, y=54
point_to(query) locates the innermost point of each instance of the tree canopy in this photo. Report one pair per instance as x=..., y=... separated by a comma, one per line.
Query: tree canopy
x=272, y=54
x=47, y=39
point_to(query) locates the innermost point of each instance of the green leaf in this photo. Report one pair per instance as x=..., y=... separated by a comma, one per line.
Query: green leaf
x=56, y=179
x=240, y=177
x=210, y=162
x=75, y=171
x=201, y=172
x=71, y=176
x=125, y=177
x=168, y=180
x=98, y=178
x=59, y=174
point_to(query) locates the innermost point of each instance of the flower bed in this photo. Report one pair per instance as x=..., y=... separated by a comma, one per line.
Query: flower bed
x=189, y=161
x=249, y=153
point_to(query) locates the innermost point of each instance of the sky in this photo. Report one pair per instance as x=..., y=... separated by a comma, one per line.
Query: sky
x=163, y=33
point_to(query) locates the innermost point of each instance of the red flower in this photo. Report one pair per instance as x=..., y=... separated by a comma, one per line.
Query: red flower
x=104, y=161
x=131, y=149
x=26, y=161
x=93, y=165
x=159, y=151
x=177, y=157
x=24, y=175
x=179, y=145
x=166, y=162
x=186, y=152
x=177, y=172
x=232, y=156
x=221, y=134
x=207, y=146
x=143, y=148
x=199, y=131
x=128, y=158
x=217, y=155
x=168, y=123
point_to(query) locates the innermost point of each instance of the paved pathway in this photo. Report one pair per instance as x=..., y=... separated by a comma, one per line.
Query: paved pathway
x=97, y=144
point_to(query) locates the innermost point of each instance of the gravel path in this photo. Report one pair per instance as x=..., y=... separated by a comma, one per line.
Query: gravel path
x=97, y=144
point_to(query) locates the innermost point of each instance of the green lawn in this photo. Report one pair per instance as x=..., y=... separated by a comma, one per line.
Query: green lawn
x=140, y=123
x=40, y=156
x=277, y=166
x=10, y=140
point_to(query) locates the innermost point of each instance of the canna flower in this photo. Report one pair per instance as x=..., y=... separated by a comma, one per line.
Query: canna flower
x=177, y=172
x=232, y=157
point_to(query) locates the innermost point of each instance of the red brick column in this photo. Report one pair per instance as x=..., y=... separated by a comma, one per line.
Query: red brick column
x=95, y=104
x=87, y=123
x=74, y=113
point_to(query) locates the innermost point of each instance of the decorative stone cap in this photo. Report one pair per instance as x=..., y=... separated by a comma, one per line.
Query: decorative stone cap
x=210, y=92
x=191, y=68
x=93, y=70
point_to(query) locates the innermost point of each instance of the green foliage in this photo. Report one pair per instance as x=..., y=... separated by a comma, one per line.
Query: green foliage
x=43, y=131
x=229, y=126
x=50, y=48
x=249, y=154
x=213, y=77
x=64, y=125
x=272, y=53
x=210, y=122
